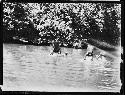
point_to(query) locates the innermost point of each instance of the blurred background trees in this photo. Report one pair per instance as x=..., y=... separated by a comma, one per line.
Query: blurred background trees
x=40, y=23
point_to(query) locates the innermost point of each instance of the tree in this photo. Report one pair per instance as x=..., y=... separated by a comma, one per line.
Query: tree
x=16, y=23
x=66, y=21
x=111, y=31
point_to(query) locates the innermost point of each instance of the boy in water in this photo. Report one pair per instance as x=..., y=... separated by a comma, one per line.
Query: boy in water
x=89, y=51
x=56, y=47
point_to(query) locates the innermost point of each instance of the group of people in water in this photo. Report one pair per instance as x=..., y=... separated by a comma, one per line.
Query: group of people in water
x=56, y=48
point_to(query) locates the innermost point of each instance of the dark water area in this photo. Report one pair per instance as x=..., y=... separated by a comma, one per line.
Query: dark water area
x=28, y=67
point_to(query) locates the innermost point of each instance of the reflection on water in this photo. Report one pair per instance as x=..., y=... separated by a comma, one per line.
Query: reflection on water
x=32, y=66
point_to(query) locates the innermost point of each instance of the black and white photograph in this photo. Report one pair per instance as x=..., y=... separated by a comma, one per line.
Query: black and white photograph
x=62, y=47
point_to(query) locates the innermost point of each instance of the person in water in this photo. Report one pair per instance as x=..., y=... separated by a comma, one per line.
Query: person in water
x=56, y=47
x=89, y=51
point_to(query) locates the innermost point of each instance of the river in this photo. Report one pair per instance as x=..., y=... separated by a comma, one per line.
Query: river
x=32, y=68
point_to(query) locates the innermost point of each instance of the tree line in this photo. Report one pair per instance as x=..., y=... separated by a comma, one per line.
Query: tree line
x=41, y=23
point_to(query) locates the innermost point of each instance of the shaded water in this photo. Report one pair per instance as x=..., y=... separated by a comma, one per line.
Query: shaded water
x=28, y=67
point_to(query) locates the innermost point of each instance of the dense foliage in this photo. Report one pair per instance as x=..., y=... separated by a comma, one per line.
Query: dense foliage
x=40, y=23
